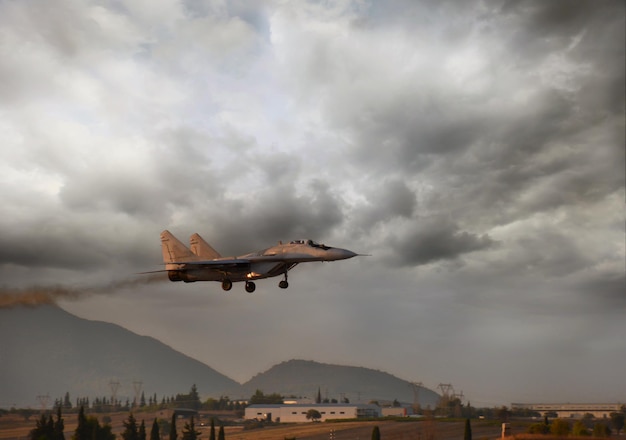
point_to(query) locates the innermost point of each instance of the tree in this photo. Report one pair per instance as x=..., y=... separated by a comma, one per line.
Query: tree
x=189, y=431
x=467, y=435
x=560, y=427
x=59, y=426
x=155, y=433
x=67, y=403
x=376, y=433
x=142, y=431
x=313, y=415
x=42, y=431
x=260, y=398
x=130, y=428
x=82, y=431
x=601, y=430
x=173, y=433
x=579, y=429
x=318, y=399
x=617, y=421
x=221, y=435
x=212, y=432
x=538, y=428
x=90, y=429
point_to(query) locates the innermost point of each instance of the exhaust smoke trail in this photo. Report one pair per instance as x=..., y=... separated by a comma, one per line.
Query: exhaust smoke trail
x=34, y=296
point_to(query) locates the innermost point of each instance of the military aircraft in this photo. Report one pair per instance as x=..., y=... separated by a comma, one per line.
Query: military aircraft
x=200, y=262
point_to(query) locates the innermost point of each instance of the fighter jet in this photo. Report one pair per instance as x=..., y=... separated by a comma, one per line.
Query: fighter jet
x=201, y=262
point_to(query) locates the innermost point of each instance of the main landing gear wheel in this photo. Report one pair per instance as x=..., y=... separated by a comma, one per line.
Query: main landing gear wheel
x=250, y=286
x=227, y=285
x=283, y=284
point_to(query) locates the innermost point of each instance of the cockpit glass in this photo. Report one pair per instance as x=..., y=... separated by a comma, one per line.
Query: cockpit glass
x=310, y=243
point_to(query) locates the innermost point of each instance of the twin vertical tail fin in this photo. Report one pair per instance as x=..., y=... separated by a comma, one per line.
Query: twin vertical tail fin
x=174, y=251
x=202, y=249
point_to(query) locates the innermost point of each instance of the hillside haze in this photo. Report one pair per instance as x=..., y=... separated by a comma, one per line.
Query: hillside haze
x=48, y=351
x=303, y=379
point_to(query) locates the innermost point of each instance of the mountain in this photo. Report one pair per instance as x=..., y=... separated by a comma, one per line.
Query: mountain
x=301, y=378
x=47, y=351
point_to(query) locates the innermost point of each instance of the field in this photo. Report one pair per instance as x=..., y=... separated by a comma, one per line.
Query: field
x=14, y=427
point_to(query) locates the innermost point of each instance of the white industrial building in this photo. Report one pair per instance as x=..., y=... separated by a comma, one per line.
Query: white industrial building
x=571, y=410
x=296, y=413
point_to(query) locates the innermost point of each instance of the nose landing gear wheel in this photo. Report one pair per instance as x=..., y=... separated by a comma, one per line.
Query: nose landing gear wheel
x=283, y=284
x=227, y=285
x=250, y=286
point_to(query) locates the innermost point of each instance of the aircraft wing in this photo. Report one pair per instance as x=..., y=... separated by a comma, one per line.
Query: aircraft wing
x=215, y=264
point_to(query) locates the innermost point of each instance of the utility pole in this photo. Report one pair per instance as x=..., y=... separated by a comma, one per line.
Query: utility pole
x=115, y=385
x=415, y=386
x=43, y=401
x=137, y=387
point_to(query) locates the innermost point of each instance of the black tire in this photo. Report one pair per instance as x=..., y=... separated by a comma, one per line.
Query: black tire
x=227, y=285
x=250, y=287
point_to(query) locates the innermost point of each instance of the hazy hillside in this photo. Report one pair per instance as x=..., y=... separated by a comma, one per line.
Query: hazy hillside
x=46, y=350
x=303, y=379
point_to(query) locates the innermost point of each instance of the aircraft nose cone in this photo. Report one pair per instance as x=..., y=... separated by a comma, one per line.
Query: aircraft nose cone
x=341, y=254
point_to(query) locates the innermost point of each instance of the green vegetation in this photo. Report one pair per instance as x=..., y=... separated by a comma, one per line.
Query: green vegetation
x=269, y=399
x=189, y=431
x=560, y=427
x=617, y=420
x=48, y=429
x=313, y=415
x=90, y=429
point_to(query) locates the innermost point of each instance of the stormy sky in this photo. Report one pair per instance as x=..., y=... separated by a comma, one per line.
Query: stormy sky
x=475, y=149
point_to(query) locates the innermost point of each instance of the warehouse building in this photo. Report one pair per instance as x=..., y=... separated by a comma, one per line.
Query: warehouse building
x=571, y=410
x=297, y=413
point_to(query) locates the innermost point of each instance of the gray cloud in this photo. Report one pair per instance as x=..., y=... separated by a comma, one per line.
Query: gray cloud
x=476, y=150
x=433, y=240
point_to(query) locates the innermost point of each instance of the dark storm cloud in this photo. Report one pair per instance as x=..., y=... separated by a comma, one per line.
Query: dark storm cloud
x=482, y=138
x=273, y=214
x=433, y=240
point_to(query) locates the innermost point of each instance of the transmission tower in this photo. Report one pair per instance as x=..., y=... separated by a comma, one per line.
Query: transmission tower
x=43, y=401
x=115, y=385
x=415, y=386
x=445, y=389
x=459, y=396
x=137, y=387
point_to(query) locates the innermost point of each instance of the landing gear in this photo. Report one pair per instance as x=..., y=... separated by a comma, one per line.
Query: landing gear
x=284, y=284
x=227, y=285
x=250, y=286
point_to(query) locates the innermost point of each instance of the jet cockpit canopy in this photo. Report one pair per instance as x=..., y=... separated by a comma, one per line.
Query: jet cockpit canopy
x=311, y=243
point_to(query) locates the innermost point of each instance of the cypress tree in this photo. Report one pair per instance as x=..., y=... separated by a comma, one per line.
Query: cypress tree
x=142, y=431
x=173, y=433
x=40, y=431
x=59, y=426
x=221, y=435
x=376, y=433
x=212, y=434
x=130, y=429
x=468, y=430
x=155, y=433
x=82, y=430
x=189, y=432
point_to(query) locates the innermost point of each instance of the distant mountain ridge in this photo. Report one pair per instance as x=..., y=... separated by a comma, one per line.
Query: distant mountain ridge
x=48, y=351
x=303, y=379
